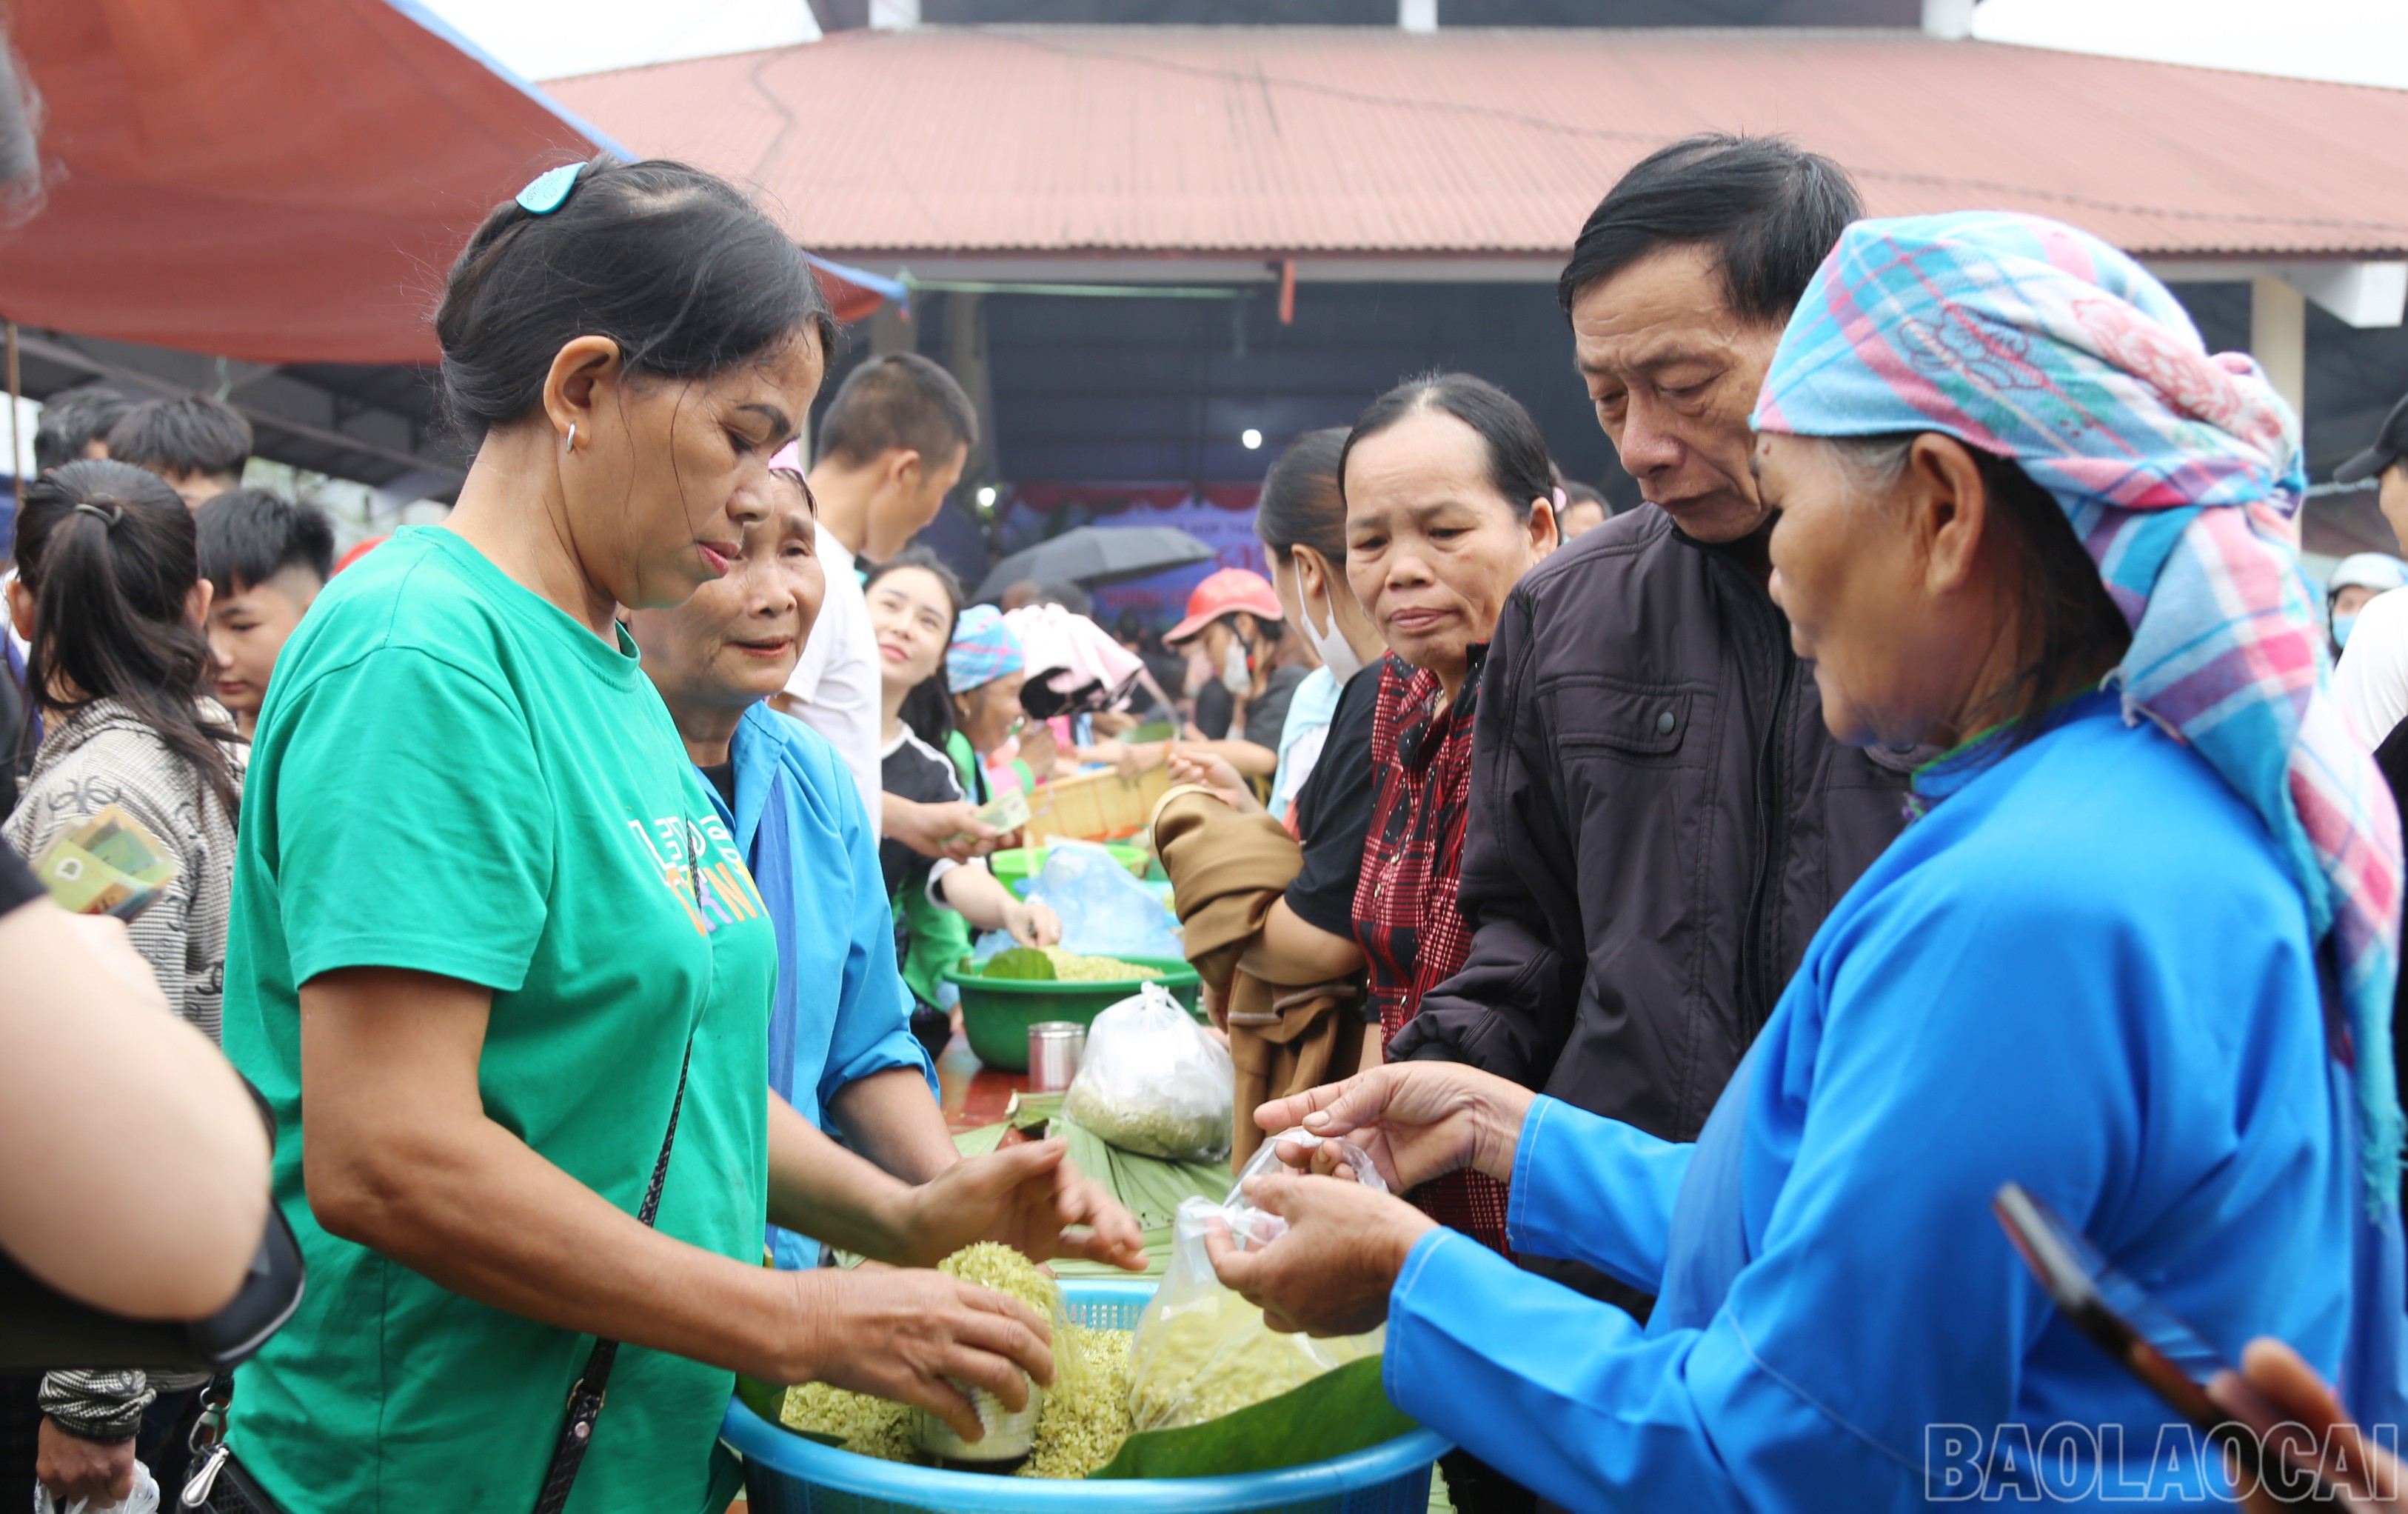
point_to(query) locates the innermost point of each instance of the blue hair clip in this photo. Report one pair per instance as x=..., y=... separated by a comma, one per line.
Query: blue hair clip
x=548, y=190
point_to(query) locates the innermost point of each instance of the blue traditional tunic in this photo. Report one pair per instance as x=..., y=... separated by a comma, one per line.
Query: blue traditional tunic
x=2090, y=972
x=842, y=1012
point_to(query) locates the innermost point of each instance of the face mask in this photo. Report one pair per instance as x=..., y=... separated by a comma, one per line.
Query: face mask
x=1234, y=676
x=2340, y=628
x=1335, y=652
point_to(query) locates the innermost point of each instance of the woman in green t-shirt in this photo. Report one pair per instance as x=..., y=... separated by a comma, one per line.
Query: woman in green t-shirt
x=491, y=943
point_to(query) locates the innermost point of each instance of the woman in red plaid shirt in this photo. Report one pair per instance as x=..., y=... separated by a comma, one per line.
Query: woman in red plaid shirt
x=1450, y=499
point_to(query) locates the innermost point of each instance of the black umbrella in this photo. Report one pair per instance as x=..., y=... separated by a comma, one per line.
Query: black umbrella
x=1090, y=555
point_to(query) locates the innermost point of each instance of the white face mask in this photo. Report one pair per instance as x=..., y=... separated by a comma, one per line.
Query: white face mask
x=1337, y=653
x=1234, y=676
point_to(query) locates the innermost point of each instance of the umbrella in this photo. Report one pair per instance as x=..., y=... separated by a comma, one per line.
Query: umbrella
x=1097, y=555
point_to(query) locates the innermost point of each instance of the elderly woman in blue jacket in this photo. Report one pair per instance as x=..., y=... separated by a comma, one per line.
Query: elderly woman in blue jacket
x=840, y=1045
x=2136, y=954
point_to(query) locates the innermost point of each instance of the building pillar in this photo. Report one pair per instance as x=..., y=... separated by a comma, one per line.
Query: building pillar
x=1417, y=15
x=2278, y=338
x=889, y=332
x=1951, y=20
x=966, y=360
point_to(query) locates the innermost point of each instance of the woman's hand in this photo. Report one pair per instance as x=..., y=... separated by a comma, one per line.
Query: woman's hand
x=1215, y=772
x=1331, y=1272
x=1042, y=751
x=900, y=1335
x=1032, y=1199
x=1031, y=925
x=2274, y=1387
x=100, y=1473
x=952, y=829
x=1134, y=759
x=1415, y=1120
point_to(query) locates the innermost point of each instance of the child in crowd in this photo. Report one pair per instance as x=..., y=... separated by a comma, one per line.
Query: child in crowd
x=199, y=444
x=266, y=559
x=913, y=602
x=110, y=600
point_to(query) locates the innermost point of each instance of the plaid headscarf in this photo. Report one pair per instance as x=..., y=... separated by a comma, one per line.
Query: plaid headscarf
x=985, y=649
x=2032, y=340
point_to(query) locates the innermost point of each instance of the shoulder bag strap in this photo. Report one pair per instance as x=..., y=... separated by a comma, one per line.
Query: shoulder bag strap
x=585, y=1398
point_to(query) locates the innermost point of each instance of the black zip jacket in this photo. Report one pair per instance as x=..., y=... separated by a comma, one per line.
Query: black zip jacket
x=1659, y=822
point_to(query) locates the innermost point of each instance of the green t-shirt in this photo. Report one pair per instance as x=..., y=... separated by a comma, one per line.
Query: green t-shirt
x=452, y=775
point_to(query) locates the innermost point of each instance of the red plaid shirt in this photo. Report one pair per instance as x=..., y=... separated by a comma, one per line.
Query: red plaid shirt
x=1412, y=936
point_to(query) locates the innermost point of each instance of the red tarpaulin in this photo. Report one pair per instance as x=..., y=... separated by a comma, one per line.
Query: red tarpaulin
x=280, y=180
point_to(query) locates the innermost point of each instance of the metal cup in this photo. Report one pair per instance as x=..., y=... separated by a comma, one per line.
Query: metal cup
x=1008, y=1438
x=1054, y=1047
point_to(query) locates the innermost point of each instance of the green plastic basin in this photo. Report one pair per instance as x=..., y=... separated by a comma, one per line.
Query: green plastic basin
x=996, y=1012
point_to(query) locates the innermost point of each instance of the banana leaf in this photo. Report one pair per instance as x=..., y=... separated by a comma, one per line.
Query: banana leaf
x=1024, y=962
x=1337, y=1413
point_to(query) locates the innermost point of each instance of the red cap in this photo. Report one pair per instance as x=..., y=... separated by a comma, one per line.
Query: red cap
x=1226, y=593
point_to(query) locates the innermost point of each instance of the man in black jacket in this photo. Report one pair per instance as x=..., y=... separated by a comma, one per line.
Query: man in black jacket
x=1659, y=820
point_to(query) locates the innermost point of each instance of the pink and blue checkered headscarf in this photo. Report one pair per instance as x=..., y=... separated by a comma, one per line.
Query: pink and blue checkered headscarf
x=983, y=649
x=2180, y=474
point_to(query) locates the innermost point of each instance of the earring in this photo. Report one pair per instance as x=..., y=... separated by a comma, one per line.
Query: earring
x=570, y=445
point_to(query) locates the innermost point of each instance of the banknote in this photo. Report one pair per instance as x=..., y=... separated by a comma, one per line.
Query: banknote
x=108, y=865
x=1008, y=810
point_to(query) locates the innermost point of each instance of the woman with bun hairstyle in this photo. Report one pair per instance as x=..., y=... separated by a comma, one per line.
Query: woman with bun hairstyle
x=501, y=969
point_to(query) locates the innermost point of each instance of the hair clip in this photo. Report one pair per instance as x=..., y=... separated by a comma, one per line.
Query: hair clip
x=106, y=517
x=548, y=191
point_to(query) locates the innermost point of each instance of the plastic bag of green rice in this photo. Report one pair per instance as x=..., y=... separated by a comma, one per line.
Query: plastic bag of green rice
x=1153, y=1081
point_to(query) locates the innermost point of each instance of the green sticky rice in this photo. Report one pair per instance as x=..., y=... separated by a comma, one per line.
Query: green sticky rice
x=1028, y=964
x=1086, y=1412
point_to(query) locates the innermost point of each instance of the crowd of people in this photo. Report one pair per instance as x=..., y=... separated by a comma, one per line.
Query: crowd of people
x=1698, y=912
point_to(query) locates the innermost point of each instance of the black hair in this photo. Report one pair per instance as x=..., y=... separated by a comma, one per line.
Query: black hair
x=2071, y=620
x=672, y=263
x=73, y=419
x=1580, y=493
x=1518, y=467
x=1770, y=210
x=928, y=710
x=110, y=555
x=188, y=434
x=249, y=536
x=1301, y=504
x=899, y=401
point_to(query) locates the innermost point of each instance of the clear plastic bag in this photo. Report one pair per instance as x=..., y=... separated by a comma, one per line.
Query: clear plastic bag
x=1104, y=911
x=1200, y=1350
x=1153, y=1081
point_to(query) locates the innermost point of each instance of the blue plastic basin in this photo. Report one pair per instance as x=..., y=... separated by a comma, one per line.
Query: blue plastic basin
x=786, y=1474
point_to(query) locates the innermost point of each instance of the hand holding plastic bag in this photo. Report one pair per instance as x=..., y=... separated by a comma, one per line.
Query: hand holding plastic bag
x=1202, y=1351
x=1153, y=1082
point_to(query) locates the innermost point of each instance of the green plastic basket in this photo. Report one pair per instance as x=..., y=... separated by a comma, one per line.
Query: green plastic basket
x=996, y=1012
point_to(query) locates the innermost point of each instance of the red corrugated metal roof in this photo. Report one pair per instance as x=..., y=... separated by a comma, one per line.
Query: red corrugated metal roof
x=1369, y=142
